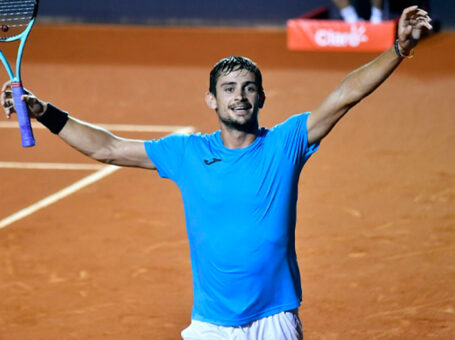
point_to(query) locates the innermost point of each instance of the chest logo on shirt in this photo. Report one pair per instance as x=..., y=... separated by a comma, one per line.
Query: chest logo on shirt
x=214, y=160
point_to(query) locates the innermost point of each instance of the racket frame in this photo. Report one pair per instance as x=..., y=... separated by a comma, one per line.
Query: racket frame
x=27, y=137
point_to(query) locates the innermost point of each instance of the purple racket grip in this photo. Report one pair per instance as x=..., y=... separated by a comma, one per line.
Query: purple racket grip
x=22, y=116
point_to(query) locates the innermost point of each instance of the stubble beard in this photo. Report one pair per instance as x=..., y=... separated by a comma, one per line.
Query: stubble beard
x=248, y=126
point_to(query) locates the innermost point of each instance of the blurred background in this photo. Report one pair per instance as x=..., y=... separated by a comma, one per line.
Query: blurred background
x=217, y=12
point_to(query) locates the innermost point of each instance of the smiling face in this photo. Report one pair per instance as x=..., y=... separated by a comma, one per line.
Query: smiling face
x=237, y=101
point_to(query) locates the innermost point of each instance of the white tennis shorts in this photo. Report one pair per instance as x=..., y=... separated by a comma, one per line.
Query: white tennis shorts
x=281, y=326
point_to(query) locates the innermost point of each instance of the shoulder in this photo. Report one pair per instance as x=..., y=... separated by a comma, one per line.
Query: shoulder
x=178, y=138
x=293, y=123
x=180, y=141
x=202, y=139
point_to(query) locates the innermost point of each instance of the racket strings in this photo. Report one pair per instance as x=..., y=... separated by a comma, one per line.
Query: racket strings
x=15, y=15
x=16, y=10
x=17, y=4
x=13, y=4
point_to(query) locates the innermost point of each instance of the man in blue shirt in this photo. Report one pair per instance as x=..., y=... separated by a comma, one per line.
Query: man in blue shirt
x=239, y=188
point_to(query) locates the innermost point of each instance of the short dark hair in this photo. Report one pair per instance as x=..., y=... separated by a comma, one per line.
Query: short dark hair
x=234, y=63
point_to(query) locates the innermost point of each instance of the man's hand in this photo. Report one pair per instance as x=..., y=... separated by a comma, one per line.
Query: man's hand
x=413, y=22
x=35, y=106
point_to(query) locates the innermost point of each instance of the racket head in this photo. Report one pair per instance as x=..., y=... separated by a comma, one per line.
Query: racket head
x=16, y=18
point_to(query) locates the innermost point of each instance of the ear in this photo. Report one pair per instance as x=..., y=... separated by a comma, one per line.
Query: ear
x=210, y=100
x=261, y=99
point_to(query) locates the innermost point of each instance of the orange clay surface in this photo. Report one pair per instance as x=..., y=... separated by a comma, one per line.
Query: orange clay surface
x=376, y=211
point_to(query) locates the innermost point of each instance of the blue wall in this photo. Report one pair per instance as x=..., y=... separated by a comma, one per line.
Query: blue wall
x=205, y=12
x=444, y=10
x=177, y=11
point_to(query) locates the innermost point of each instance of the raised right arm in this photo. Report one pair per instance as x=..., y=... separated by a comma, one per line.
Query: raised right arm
x=103, y=146
x=91, y=140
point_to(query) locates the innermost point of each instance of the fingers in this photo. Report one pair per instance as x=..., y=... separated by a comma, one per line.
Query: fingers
x=9, y=110
x=423, y=22
x=409, y=10
x=35, y=106
x=6, y=85
x=412, y=23
x=30, y=100
x=6, y=95
x=6, y=99
x=416, y=17
x=420, y=19
x=413, y=11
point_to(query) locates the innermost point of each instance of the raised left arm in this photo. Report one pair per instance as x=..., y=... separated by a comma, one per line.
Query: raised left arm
x=361, y=82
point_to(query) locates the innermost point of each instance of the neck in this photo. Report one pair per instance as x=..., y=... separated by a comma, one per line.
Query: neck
x=235, y=139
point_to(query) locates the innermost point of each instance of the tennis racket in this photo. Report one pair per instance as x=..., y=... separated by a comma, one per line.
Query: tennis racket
x=16, y=20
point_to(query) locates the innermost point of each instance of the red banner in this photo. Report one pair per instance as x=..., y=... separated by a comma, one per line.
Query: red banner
x=337, y=35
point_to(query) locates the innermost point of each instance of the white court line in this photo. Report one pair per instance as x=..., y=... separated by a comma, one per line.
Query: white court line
x=49, y=166
x=105, y=171
x=114, y=127
x=183, y=129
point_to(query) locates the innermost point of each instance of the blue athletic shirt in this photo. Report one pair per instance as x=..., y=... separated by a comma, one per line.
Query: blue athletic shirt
x=240, y=211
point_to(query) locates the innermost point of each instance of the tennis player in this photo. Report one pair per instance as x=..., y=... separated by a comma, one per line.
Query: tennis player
x=239, y=187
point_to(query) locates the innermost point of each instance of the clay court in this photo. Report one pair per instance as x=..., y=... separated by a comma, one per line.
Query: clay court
x=110, y=260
